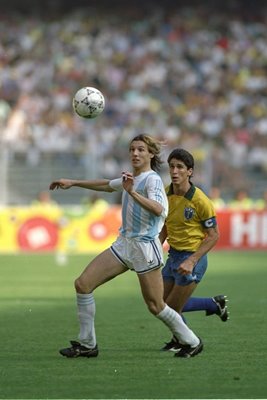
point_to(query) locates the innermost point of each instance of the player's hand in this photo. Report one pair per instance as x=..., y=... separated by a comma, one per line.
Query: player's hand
x=127, y=181
x=61, y=184
x=186, y=267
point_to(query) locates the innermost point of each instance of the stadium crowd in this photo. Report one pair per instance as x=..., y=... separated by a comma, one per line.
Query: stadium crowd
x=192, y=77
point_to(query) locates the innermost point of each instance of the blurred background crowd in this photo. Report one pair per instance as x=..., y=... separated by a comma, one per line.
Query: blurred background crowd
x=193, y=74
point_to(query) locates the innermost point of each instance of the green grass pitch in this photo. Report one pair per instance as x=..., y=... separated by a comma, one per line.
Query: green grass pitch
x=38, y=317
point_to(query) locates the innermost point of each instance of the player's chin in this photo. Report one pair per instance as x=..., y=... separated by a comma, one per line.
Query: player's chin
x=136, y=163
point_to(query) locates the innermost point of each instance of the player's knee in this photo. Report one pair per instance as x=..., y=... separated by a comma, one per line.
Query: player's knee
x=154, y=307
x=80, y=287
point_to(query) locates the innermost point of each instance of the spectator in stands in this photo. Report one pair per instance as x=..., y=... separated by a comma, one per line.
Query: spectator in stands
x=241, y=201
x=261, y=204
x=155, y=78
x=215, y=197
x=44, y=199
x=96, y=203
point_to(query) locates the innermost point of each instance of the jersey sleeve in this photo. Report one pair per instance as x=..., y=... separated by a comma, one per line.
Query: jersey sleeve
x=207, y=214
x=156, y=191
x=116, y=184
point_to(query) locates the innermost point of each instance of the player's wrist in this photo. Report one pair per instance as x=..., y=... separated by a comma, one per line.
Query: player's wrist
x=133, y=193
x=193, y=260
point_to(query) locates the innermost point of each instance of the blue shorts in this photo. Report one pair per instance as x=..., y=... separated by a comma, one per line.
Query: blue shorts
x=175, y=258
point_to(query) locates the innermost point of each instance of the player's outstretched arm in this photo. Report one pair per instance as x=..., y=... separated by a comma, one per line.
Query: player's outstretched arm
x=101, y=185
x=61, y=184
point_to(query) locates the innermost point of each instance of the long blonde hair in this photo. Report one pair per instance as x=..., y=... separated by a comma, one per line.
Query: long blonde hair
x=154, y=147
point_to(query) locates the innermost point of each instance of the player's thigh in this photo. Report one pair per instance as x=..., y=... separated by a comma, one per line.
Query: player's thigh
x=152, y=290
x=179, y=295
x=101, y=269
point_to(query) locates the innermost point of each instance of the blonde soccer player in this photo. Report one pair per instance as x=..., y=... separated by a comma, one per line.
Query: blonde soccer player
x=137, y=248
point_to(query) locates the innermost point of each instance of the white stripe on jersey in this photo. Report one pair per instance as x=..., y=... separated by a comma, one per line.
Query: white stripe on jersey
x=136, y=221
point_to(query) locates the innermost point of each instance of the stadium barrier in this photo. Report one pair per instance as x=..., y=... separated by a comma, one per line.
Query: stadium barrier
x=81, y=229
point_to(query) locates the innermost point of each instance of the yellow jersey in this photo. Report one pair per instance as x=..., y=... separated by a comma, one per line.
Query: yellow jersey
x=188, y=217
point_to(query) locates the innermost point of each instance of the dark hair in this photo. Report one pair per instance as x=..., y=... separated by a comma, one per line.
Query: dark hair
x=154, y=147
x=184, y=156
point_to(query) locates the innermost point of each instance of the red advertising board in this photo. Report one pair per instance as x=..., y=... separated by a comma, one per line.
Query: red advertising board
x=36, y=229
x=242, y=229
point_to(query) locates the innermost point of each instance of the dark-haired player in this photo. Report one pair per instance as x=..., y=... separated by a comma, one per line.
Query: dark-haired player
x=191, y=231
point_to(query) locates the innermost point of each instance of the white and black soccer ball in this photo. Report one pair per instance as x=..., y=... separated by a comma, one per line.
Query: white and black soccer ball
x=88, y=102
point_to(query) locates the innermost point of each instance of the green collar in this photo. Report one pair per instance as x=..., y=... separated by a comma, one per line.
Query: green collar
x=189, y=194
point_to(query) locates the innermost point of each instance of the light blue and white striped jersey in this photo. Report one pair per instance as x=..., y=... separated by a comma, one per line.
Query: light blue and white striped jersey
x=136, y=221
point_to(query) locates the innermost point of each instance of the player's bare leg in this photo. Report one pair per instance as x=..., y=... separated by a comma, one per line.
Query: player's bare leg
x=176, y=299
x=152, y=289
x=176, y=296
x=102, y=269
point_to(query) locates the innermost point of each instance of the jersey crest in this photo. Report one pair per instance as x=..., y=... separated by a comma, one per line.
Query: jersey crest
x=189, y=213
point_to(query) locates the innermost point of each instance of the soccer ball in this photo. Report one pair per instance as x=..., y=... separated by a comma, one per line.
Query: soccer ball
x=88, y=102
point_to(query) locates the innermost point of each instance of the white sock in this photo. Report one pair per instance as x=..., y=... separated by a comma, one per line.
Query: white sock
x=176, y=324
x=86, y=314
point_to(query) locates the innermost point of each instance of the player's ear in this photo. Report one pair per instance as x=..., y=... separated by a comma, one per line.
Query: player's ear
x=190, y=172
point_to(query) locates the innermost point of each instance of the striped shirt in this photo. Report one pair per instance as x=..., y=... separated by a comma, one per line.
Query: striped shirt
x=137, y=222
